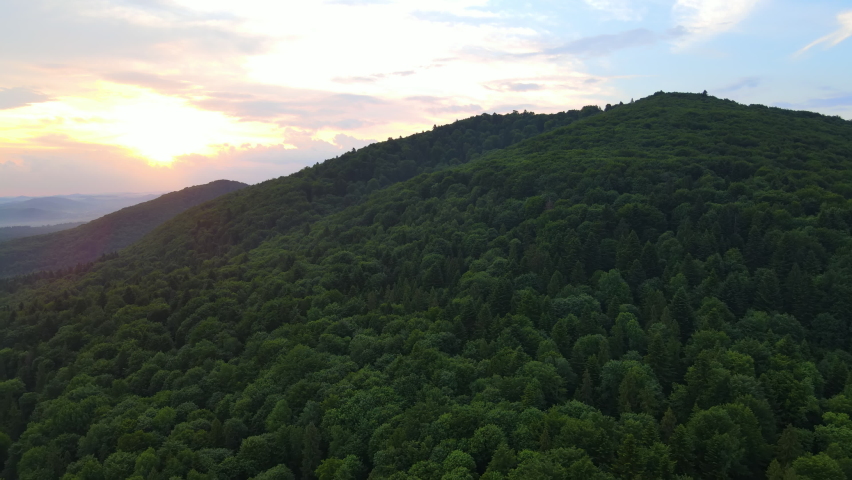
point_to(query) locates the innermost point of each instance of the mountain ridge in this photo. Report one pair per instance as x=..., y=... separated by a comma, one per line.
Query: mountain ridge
x=87, y=242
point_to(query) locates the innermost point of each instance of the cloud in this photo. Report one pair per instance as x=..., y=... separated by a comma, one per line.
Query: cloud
x=349, y=124
x=147, y=80
x=837, y=104
x=373, y=78
x=745, y=82
x=524, y=87
x=701, y=19
x=833, y=38
x=63, y=33
x=302, y=107
x=478, y=19
x=601, y=45
x=53, y=164
x=838, y=101
x=252, y=164
x=19, y=97
x=624, y=10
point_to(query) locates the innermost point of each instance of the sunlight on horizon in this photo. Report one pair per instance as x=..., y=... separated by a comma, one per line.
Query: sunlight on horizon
x=155, y=127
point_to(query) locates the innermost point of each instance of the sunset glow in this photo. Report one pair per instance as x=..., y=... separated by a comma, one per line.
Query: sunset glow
x=155, y=127
x=259, y=89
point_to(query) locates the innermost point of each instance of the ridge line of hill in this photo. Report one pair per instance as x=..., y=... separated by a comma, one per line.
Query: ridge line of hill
x=114, y=231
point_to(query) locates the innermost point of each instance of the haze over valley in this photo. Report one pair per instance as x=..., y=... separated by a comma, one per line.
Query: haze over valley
x=41, y=211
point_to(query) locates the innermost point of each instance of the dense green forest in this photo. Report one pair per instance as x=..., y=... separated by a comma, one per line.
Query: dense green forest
x=660, y=290
x=56, y=250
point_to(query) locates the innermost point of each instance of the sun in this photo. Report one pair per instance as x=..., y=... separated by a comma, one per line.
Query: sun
x=158, y=128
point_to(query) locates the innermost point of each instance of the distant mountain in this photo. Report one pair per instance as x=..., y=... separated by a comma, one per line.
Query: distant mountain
x=36, y=211
x=9, y=233
x=13, y=199
x=106, y=234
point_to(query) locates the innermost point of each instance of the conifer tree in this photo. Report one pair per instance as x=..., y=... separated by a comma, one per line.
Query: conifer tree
x=628, y=251
x=668, y=424
x=753, y=253
x=585, y=393
x=311, y=453
x=797, y=294
x=500, y=300
x=681, y=312
x=592, y=253
x=767, y=294
x=557, y=282
x=578, y=274
x=561, y=336
x=650, y=261
x=629, y=463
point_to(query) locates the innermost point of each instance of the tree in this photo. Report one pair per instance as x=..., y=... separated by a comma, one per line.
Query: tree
x=557, y=282
x=502, y=461
x=585, y=393
x=768, y=292
x=613, y=289
x=789, y=447
x=818, y=466
x=630, y=462
x=311, y=453
x=681, y=312
x=500, y=300
x=628, y=251
x=668, y=424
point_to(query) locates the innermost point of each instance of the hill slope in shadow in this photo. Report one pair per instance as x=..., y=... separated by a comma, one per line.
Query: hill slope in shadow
x=109, y=233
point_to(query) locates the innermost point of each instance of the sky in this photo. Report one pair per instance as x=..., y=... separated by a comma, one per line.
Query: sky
x=104, y=96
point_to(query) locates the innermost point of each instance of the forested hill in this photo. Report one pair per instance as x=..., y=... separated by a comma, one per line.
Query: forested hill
x=658, y=291
x=280, y=205
x=9, y=233
x=84, y=244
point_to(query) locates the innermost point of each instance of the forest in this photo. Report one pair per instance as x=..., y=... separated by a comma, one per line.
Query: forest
x=654, y=290
x=49, y=249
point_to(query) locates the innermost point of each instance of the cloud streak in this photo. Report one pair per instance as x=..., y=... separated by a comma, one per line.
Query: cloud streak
x=746, y=82
x=835, y=37
x=19, y=97
x=600, y=45
x=701, y=19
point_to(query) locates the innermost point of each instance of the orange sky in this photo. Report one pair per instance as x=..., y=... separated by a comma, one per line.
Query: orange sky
x=99, y=96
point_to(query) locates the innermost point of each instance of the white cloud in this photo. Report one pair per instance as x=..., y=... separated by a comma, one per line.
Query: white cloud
x=624, y=10
x=833, y=38
x=701, y=19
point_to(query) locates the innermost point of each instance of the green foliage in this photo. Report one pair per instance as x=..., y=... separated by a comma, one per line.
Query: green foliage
x=658, y=291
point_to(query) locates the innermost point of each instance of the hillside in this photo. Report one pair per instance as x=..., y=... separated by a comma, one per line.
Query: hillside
x=86, y=243
x=8, y=233
x=658, y=291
